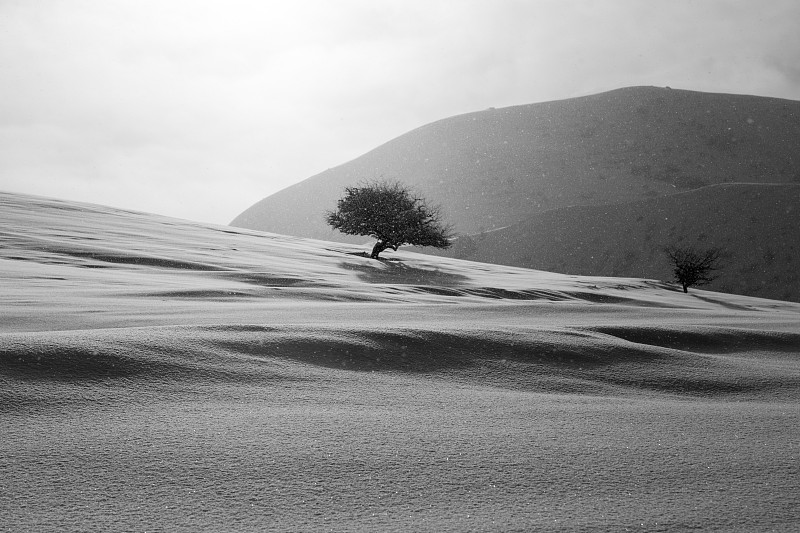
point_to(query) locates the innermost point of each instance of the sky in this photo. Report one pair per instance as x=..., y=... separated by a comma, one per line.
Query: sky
x=197, y=109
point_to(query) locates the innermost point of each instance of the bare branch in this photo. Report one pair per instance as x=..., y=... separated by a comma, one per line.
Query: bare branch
x=693, y=267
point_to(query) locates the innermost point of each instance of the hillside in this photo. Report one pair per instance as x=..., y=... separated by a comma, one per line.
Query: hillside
x=497, y=167
x=758, y=227
x=164, y=375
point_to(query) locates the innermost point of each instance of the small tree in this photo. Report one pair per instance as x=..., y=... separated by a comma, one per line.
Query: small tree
x=391, y=213
x=693, y=267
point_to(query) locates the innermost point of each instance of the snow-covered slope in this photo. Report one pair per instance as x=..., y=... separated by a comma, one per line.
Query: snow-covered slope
x=163, y=374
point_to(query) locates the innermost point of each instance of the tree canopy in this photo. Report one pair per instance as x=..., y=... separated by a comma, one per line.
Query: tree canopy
x=392, y=213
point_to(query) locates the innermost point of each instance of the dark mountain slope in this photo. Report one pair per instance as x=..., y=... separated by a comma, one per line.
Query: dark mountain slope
x=498, y=167
x=758, y=226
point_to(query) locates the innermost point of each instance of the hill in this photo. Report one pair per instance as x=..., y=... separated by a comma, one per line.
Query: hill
x=497, y=167
x=508, y=167
x=159, y=374
x=757, y=226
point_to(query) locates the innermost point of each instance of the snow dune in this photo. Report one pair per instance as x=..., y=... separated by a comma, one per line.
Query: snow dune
x=160, y=374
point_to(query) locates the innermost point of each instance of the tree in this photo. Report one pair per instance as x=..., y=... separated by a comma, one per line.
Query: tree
x=693, y=267
x=391, y=213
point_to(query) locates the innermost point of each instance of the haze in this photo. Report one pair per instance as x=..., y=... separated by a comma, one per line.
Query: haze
x=198, y=109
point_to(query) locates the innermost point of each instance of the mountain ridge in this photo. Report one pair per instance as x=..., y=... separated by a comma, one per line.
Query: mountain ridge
x=494, y=167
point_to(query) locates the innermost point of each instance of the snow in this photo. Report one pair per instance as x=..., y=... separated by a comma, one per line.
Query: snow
x=160, y=374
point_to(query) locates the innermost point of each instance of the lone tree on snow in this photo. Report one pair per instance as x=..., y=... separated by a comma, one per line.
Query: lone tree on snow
x=391, y=213
x=693, y=267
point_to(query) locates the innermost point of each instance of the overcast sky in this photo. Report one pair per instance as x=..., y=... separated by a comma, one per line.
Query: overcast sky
x=198, y=109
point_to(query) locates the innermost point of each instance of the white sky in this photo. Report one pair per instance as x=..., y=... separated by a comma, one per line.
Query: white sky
x=198, y=109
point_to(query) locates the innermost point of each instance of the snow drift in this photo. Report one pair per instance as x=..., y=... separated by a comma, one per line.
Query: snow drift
x=164, y=374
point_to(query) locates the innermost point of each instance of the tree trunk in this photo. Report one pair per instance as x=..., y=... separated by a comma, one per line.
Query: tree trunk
x=378, y=248
x=685, y=288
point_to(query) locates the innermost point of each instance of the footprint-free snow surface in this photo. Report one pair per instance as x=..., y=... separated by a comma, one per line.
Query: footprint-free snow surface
x=165, y=375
